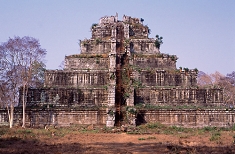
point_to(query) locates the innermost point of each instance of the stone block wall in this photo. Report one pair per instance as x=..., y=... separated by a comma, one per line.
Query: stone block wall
x=161, y=78
x=64, y=117
x=91, y=62
x=56, y=117
x=67, y=97
x=76, y=79
x=154, y=61
x=189, y=118
x=179, y=96
x=98, y=46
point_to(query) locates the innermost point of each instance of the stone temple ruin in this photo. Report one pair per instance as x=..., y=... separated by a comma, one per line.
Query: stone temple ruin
x=121, y=78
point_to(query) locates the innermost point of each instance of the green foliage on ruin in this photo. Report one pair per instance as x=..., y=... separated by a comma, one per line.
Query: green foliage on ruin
x=89, y=56
x=157, y=55
x=137, y=84
x=111, y=113
x=158, y=41
x=142, y=106
x=113, y=76
x=125, y=77
x=98, y=41
x=131, y=110
x=93, y=26
x=186, y=69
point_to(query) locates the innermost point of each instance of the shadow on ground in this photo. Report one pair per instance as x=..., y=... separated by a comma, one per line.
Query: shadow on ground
x=16, y=145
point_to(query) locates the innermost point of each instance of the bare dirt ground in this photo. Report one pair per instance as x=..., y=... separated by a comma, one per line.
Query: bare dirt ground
x=54, y=142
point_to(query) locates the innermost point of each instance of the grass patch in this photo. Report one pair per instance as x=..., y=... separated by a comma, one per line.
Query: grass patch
x=24, y=131
x=233, y=128
x=215, y=136
x=151, y=138
x=214, y=133
x=154, y=125
x=208, y=129
x=42, y=132
x=183, y=136
x=178, y=129
x=159, y=128
x=3, y=130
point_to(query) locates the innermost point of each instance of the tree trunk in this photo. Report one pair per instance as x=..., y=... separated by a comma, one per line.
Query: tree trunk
x=10, y=115
x=23, y=101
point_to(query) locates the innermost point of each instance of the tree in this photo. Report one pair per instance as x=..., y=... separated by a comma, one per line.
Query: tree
x=8, y=99
x=10, y=80
x=231, y=78
x=62, y=65
x=158, y=41
x=227, y=83
x=142, y=20
x=22, y=66
x=211, y=80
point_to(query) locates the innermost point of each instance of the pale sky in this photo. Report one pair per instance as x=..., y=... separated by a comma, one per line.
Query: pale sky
x=200, y=32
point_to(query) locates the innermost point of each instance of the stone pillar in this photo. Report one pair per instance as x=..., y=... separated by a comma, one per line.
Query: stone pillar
x=112, y=84
x=111, y=96
x=126, y=31
x=162, y=79
x=110, y=116
x=113, y=37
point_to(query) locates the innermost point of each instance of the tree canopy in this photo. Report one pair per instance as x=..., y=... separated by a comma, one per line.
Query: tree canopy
x=217, y=80
x=21, y=65
x=158, y=41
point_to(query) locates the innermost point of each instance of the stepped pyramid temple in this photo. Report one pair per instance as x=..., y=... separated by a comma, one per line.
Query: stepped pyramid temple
x=121, y=78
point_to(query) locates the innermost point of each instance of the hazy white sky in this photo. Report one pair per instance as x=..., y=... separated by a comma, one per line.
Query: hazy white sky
x=200, y=32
